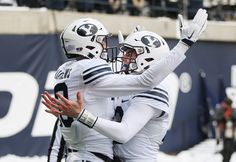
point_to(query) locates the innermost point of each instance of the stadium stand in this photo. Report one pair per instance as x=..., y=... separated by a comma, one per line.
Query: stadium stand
x=219, y=10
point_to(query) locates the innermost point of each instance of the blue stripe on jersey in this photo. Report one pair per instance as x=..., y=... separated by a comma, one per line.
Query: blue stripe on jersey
x=161, y=90
x=104, y=65
x=156, y=94
x=154, y=98
x=96, y=72
x=108, y=73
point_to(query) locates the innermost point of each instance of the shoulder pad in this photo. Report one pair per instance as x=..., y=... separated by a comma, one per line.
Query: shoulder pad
x=94, y=70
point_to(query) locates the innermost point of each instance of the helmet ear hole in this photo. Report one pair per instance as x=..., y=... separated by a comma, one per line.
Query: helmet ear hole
x=149, y=59
x=90, y=55
x=90, y=47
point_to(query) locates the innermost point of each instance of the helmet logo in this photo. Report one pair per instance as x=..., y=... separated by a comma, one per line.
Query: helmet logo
x=86, y=30
x=150, y=41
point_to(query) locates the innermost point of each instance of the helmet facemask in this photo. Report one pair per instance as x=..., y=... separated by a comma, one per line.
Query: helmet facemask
x=126, y=59
x=108, y=53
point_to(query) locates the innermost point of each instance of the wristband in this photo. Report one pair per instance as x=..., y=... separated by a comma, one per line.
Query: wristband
x=87, y=118
x=187, y=42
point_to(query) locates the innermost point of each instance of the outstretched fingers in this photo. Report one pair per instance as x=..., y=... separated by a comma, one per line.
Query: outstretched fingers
x=49, y=102
x=200, y=17
x=68, y=107
x=63, y=104
x=120, y=37
x=47, y=98
x=181, y=21
x=53, y=112
x=63, y=99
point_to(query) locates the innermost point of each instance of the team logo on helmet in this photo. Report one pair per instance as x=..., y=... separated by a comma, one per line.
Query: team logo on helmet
x=151, y=41
x=86, y=30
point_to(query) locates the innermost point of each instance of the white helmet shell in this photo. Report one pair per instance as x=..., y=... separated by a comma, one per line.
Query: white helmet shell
x=84, y=37
x=149, y=46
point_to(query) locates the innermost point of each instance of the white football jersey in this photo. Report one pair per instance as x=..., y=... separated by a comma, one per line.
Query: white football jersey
x=143, y=125
x=71, y=77
x=96, y=82
x=144, y=146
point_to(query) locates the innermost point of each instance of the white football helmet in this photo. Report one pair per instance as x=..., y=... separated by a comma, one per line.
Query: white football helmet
x=86, y=37
x=149, y=48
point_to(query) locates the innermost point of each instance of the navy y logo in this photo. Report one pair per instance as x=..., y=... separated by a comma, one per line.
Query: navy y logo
x=87, y=30
x=151, y=41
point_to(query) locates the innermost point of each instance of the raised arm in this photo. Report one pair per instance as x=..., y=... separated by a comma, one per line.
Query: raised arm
x=130, y=84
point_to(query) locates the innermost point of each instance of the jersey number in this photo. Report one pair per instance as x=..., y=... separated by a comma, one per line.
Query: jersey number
x=62, y=87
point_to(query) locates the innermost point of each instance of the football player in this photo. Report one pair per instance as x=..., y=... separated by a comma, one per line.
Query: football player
x=95, y=80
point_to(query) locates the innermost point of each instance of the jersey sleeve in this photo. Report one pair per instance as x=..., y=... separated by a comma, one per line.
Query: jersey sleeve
x=157, y=98
x=121, y=85
x=57, y=145
x=132, y=122
x=95, y=71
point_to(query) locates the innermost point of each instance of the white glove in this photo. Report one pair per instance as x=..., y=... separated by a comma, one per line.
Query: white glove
x=120, y=37
x=191, y=33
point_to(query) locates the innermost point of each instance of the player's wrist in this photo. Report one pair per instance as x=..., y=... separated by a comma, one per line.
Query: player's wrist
x=87, y=118
x=187, y=42
x=181, y=47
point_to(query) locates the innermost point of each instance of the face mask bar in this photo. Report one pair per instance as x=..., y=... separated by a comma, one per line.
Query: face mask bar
x=103, y=41
x=126, y=59
x=124, y=47
x=110, y=55
x=109, y=52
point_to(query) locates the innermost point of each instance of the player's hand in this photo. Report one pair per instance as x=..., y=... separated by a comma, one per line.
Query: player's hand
x=62, y=106
x=190, y=33
x=50, y=104
x=68, y=107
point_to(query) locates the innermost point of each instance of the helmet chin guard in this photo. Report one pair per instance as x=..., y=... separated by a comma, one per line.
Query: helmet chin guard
x=84, y=37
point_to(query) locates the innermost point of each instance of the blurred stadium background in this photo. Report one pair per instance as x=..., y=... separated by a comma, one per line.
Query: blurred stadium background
x=30, y=53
